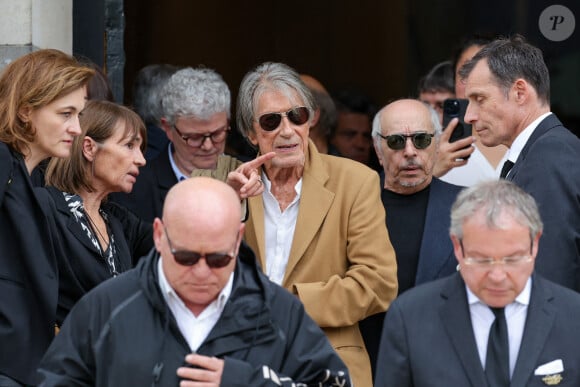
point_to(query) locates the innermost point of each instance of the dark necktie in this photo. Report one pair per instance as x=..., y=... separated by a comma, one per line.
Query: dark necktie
x=507, y=166
x=497, y=360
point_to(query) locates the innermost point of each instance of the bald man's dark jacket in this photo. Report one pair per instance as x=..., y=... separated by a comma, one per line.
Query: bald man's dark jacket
x=123, y=333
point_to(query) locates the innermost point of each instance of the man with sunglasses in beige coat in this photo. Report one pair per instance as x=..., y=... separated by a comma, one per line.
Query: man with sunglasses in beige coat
x=318, y=229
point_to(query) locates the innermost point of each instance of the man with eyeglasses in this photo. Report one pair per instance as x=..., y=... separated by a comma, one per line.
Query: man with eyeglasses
x=406, y=137
x=196, y=310
x=195, y=106
x=494, y=323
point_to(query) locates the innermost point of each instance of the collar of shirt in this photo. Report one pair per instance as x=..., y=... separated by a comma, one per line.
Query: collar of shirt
x=482, y=318
x=168, y=291
x=522, y=298
x=193, y=328
x=514, y=151
x=180, y=176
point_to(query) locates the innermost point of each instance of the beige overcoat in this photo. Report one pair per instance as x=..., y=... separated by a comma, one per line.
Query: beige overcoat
x=342, y=265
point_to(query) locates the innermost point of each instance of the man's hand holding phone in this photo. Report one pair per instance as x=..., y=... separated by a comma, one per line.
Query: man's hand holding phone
x=452, y=154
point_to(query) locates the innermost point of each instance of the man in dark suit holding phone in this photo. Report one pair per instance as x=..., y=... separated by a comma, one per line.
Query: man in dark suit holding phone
x=495, y=323
x=508, y=87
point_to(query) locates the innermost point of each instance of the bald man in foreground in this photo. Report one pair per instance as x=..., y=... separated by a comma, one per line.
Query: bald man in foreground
x=196, y=310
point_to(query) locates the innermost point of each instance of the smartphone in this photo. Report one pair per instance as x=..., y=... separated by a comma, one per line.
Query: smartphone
x=454, y=107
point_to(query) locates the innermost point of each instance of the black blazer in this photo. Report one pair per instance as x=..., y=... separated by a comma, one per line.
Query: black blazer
x=148, y=194
x=547, y=168
x=428, y=339
x=81, y=266
x=28, y=273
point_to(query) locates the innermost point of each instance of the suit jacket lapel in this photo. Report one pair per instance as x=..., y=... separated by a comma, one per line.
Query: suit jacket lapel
x=310, y=215
x=434, y=237
x=255, y=230
x=457, y=322
x=312, y=210
x=73, y=226
x=539, y=321
x=543, y=127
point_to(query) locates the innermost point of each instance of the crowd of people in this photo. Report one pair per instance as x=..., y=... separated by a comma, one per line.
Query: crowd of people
x=357, y=241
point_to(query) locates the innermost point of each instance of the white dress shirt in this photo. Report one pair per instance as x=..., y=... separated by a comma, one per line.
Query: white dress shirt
x=279, y=230
x=520, y=141
x=194, y=329
x=515, y=314
x=476, y=170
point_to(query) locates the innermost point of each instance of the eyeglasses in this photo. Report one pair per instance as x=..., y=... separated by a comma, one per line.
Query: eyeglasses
x=190, y=258
x=271, y=121
x=421, y=140
x=195, y=140
x=486, y=263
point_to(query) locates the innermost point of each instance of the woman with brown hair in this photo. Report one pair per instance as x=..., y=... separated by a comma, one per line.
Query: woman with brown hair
x=41, y=97
x=98, y=239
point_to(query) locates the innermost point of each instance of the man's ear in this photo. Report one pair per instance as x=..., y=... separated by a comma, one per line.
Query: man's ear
x=166, y=127
x=90, y=148
x=521, y=90
x=378, y=151
x=315, y=118
x=157, y=233
x=240, y=237
x=457, y=248
x=252, y=138
x=536, y=242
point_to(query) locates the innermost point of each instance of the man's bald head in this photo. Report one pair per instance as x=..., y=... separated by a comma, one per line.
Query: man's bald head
x=406, y=107
x=402, y=112
x=313, y=83
x=201, y=203
x=325, y=115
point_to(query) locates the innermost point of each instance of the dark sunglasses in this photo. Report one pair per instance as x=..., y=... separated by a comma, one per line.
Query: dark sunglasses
x=421, y=140
x=271, y=121
x=190, y=258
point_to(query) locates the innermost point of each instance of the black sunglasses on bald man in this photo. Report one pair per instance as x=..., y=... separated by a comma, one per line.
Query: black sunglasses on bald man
x=421, y=140
x=190, y=258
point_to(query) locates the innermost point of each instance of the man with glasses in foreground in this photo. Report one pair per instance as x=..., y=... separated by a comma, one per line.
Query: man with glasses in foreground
x=195, y=105
x=494, y=323
x=406, y=138
x=193, y=312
